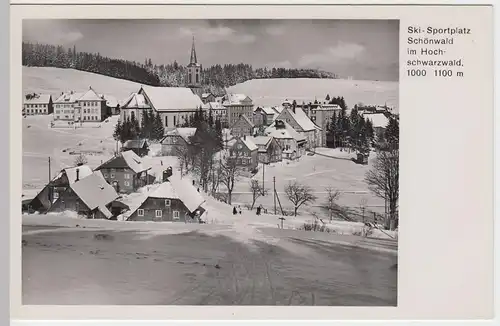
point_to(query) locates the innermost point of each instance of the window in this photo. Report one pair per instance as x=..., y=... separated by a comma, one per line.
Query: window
x=126, y=176
x=174, y=120
x=105, y=175
x=167, y=202
x=176, y=215
x=166, y=121
x=158, y=213
x=197, y=78
x=127, y=183
x=140, y=212
x=112, y=175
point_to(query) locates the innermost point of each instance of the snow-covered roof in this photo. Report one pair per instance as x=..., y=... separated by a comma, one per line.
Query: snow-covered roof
x=182, y=189
x=268, y=110
x=134, y=162
x=90, y=95
x=244, y=117
x=135, y=101
x=286, y=133
x=261, y=140
x=247, y=141
x=171, y=98
x=184, y=133
x=328, y=107
x=111, y=101
x=94, y=191
x=278, y=109
x=303, y=120
x=237, y=99
x=69, y=97
x=135, y=143
x=83, y=171
x=38, y=99
x=215, y=106
x=379, y=120
x=205, y=95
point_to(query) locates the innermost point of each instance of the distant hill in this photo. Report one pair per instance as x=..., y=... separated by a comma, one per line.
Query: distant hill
x=270, y=92
x=56, y=80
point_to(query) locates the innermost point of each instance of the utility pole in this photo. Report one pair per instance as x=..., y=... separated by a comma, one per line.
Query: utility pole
x=263, y=170
x=49, y=170
x=274, y=192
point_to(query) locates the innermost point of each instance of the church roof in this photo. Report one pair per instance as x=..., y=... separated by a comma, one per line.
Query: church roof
x=193, y=59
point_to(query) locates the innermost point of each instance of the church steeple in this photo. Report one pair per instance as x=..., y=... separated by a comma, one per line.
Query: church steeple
x=193, y=59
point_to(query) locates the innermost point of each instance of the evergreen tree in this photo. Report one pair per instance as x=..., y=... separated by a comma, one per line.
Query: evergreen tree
x=135, y=129
x=145, y=126
x=117, y=134
x=157, y=128
x=392, y=133
x=327, y=97
x=125, y=130
x=210, y=119
x=218, y=131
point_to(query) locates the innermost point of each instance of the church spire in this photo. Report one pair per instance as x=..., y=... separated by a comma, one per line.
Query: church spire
x=193, y=54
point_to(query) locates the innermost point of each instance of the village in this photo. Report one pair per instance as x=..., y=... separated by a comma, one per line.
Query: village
x=178, y=122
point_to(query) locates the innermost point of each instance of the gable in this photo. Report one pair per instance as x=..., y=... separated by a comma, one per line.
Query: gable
x=287, y=116
x=117, y=162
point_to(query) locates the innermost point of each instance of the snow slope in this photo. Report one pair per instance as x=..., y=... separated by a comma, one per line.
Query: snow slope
x=56, y=80
x=270, y=92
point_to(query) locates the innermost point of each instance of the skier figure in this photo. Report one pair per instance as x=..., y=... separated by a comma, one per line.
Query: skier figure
x=234, y=210
x=258, y=210
x=239, y=208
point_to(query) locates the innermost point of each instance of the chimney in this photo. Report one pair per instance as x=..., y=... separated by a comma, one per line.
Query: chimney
x=244, y=137
x=167, y=173
x=77, y=175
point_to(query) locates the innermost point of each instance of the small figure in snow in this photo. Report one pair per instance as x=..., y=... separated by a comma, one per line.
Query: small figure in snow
x=198, y=189
x=234, y=210
x=161, y=162
x=239, y=209
x=258, y=210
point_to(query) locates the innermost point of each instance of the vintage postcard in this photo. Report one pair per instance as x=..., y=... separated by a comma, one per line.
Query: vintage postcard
x=229, y=159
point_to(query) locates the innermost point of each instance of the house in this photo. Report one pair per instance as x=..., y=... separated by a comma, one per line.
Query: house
x=218, y=111
x=298, y=119
x=379, y=122
x=138, y=146
x=321, y=115
x=237, y=105
x=176, y=139
x=245, y=152
x=58, y=185
x=268, y=114
x=35, y=104
x=292, y=143
x=91, y=196
x=269, y=150
x=174, y=104
x=175, y=200
x=80, y=107
x=207, y=98
x=126, y=172
x=242, y=127
x=112, y=105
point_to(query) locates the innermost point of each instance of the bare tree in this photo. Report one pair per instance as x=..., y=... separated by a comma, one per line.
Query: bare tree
x=383, y=180
x=299, y=194
x=362, y=204
x=81, y=160
x=332, y=195
x=183, y=156
x=230, y=171
x=257, y=191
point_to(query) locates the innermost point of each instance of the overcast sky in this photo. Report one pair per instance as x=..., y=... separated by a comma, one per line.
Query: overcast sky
x=363, y=49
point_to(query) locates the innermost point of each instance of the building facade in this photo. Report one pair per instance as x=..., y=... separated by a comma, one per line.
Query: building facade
x=237, y=105
x=269, y=150
x=245, y=152
x=80, y=107
x=242, y=127
x=176, y=140
x=36, y=104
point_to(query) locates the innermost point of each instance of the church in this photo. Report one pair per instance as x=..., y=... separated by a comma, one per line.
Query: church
x=174, y=104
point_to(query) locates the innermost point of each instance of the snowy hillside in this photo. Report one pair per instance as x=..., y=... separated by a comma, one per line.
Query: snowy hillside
x=269, y=92
x=56, y=80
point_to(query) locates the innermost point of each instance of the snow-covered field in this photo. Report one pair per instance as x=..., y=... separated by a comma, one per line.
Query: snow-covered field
x=53, y=81
x=271, y=92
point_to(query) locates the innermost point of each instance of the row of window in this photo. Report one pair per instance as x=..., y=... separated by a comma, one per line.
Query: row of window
x=36, y=105
x=61, y=106
x=85, y=118
x=34, y=111
x=90, y=103
x=112, y=175
x=159, y=213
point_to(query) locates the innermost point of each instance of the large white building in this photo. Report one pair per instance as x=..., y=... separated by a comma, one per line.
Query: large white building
x=299, y=121
x=38, y=104
x=80, y=107
x=237, y=105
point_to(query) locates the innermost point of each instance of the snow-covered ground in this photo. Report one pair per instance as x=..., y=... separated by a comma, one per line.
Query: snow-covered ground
x=272, y=92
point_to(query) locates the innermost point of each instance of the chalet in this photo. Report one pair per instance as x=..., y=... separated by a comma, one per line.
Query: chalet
x=268, y=114
x=237, y=105
x=242, y=127
x=80, y=107
x=245, y=152
x=269, y=150
x=35, y=104
x=58, y=185
x=298, y=119
x=138, y=146
x=292, y=143
x=176, y=139
x=126, y=172
x=175, y=200
x=91, y=196
x=207, y=98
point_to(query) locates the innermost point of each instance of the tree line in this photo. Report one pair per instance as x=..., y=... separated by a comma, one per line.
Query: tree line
x=151, y=128
x=215, y=78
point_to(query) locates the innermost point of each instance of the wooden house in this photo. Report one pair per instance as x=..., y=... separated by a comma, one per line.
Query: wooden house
x=245, y=152
x=58, y=185
x=242, y=127
x=138, y=146
x=298, y=119
x=267, y=113
x=91, y=196
x=175, y=140
x=269, y=150
x=175, y=200
x=292, y=143
x=126, y=172
x=207, y=98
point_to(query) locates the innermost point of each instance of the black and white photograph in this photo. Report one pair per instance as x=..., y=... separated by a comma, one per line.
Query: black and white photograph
x=210, y=162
